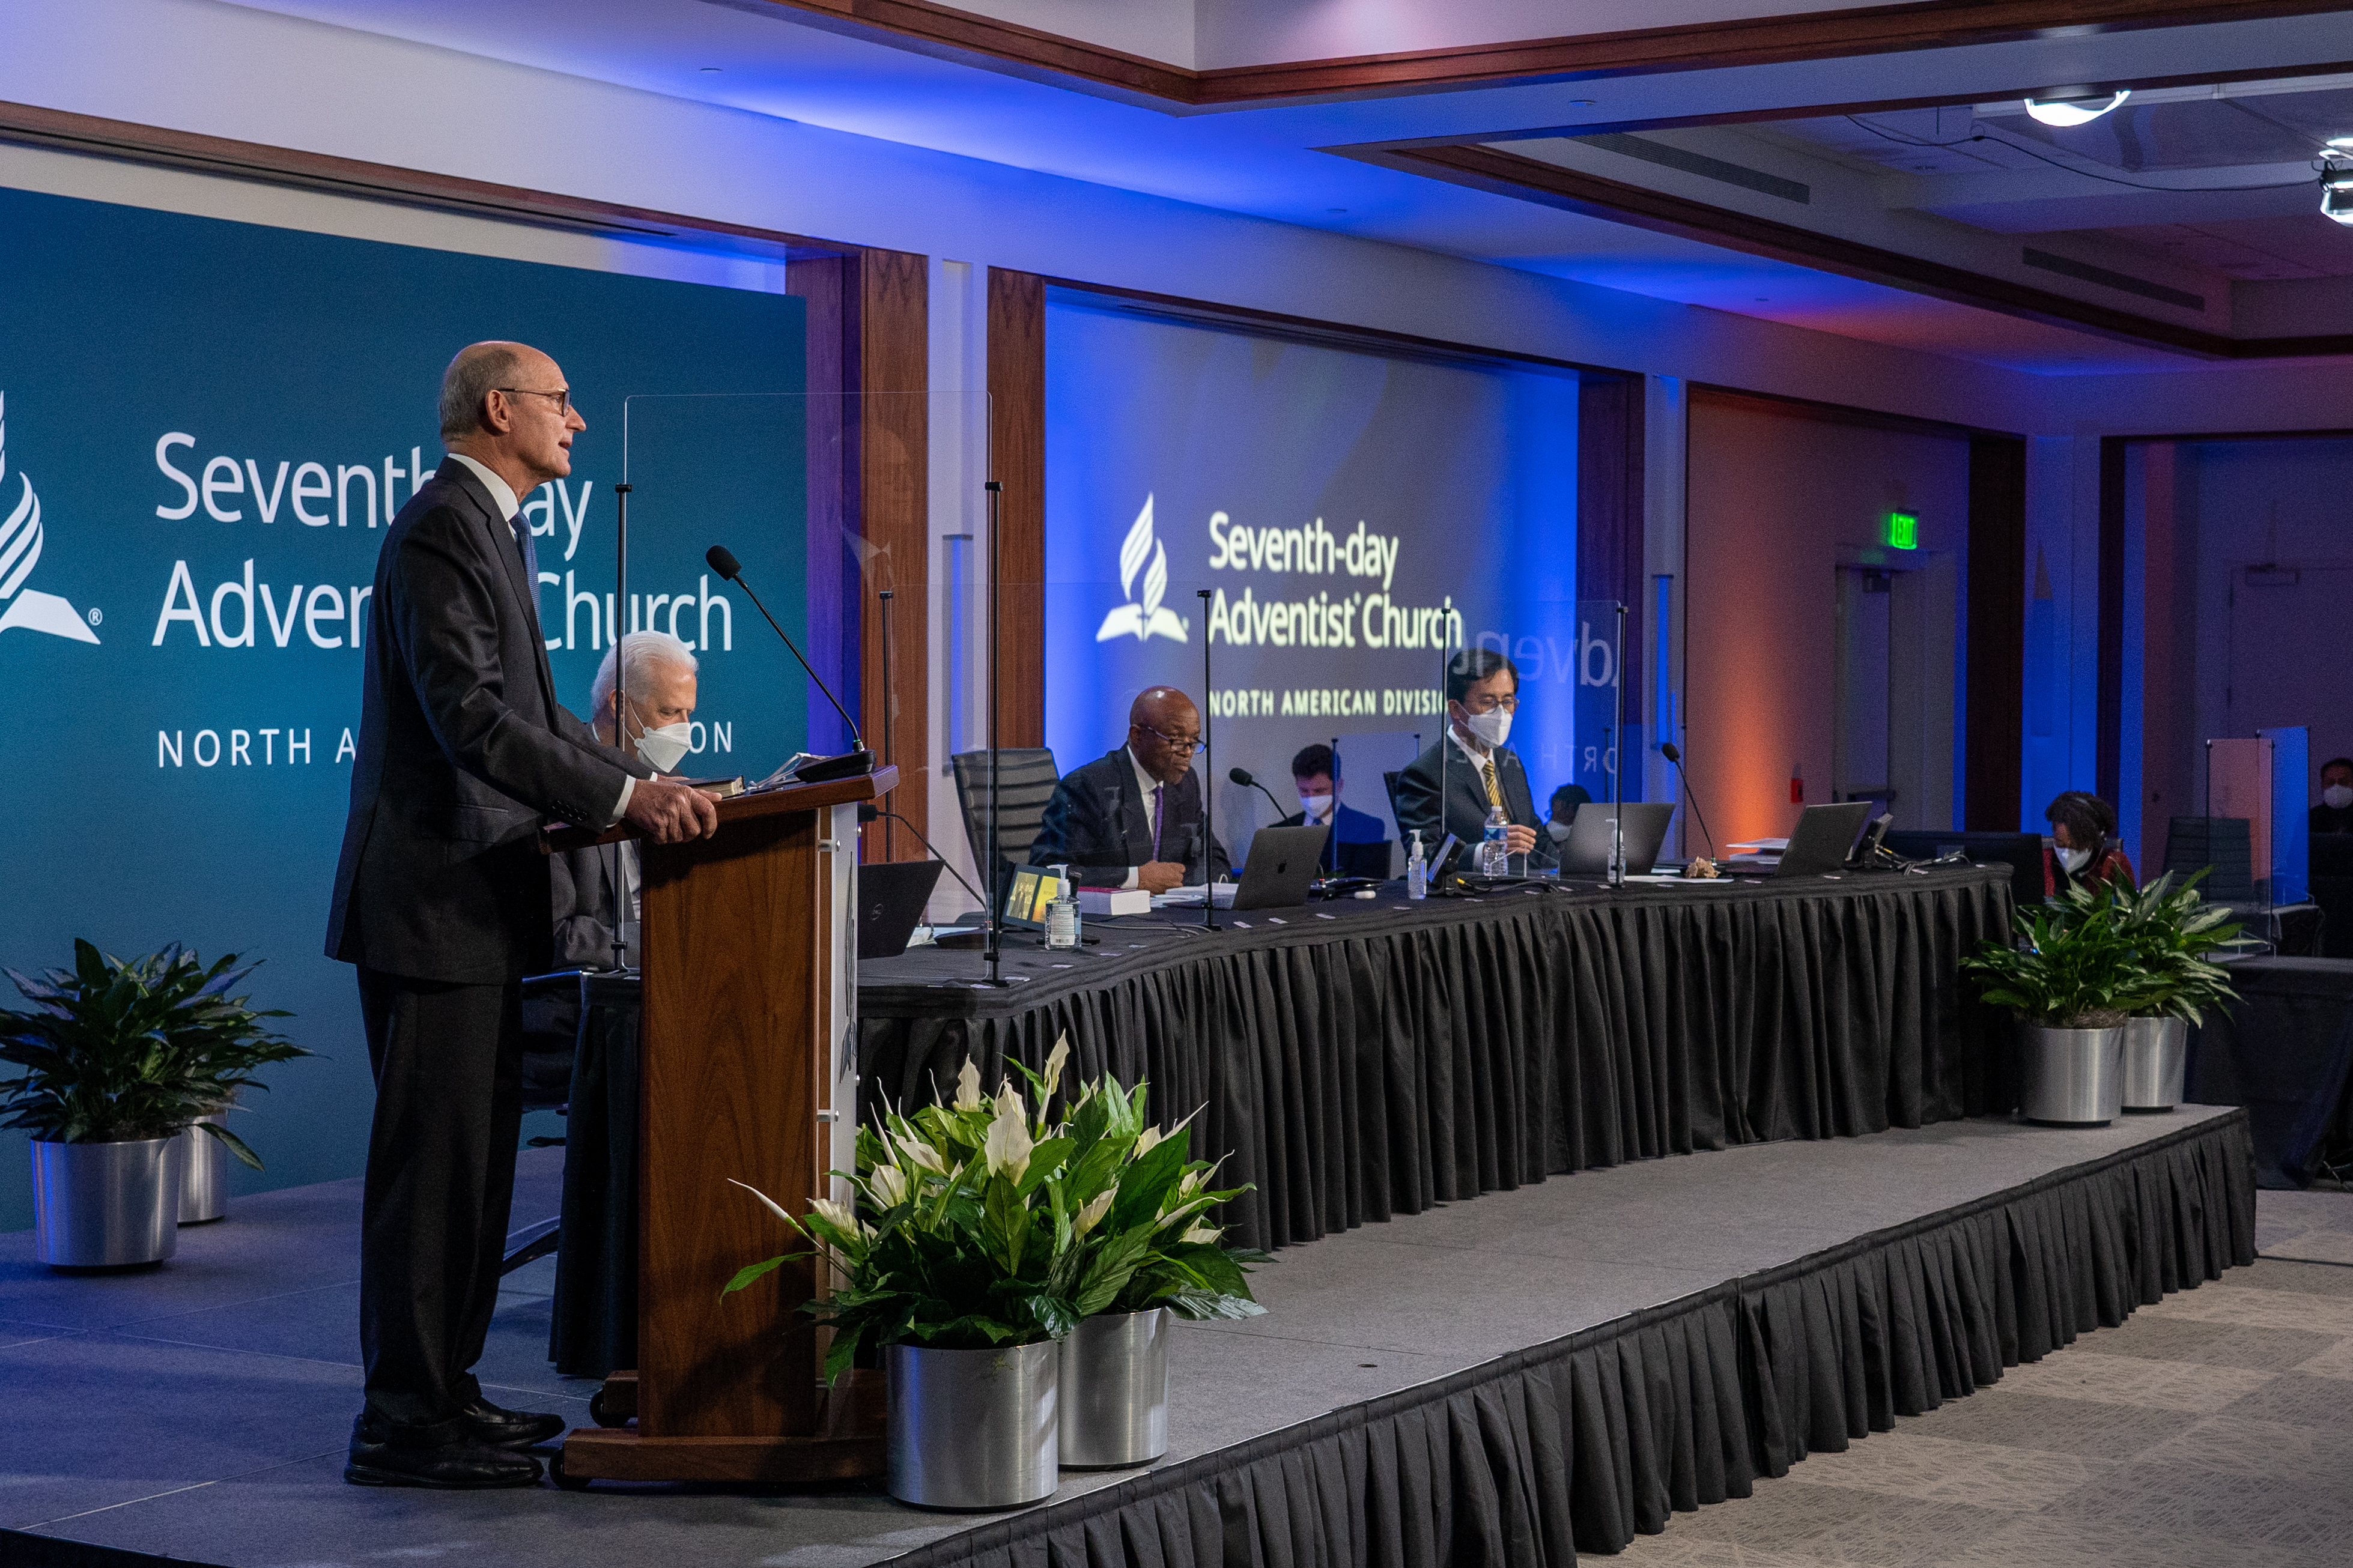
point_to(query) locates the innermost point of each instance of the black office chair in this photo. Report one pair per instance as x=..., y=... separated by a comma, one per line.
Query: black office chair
x=1025, y=777
x=1389, y=780
x=551, y=1040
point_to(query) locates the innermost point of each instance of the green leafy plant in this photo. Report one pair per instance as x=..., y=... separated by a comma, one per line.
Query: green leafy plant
x=2068, y=970
x=979, y=1223
x=2171, y=931
x=116, y=1051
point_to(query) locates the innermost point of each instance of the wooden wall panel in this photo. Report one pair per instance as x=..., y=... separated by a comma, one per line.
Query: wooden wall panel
x=894, y=493
x=1991, y=724
x=1016, y=393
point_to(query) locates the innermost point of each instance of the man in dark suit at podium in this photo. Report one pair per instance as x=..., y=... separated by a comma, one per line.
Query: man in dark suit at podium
x=1450, y=787
x=441, y=899
x=1134, y=819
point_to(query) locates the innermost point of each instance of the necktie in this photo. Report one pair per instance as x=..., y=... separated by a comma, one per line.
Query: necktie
x=1495, y=790
x=1157, y=792
x=530, y=555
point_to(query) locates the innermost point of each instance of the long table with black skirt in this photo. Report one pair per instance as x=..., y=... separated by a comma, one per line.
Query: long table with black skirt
x=1353, y=1060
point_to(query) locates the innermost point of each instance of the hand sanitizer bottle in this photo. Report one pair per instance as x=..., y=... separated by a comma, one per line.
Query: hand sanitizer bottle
x=1417, y=874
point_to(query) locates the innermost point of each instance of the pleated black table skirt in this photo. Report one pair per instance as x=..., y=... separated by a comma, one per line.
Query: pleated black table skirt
x=1356, y=1061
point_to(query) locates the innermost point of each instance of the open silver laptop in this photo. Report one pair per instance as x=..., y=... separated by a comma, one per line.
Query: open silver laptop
x=1586, y=852
x=1283, y=862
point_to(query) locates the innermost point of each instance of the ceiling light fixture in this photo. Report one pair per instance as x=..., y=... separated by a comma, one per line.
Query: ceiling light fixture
x=2337, y=190
x=2063, y=112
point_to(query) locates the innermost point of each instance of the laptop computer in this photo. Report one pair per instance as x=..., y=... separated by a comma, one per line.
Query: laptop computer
x=1825, y=836
x=1283, y=862
x=891, y=899
x=1586, y=852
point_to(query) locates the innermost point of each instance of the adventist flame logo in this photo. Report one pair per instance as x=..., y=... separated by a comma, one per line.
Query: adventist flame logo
x=20, y=550
x=1142, y=618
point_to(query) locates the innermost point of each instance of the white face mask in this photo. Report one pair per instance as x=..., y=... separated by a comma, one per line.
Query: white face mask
x=1493, y=727
x=2074, y=859
x=1559, y=831
x=661, y=748
x=2338, y=797
x=1315, y=805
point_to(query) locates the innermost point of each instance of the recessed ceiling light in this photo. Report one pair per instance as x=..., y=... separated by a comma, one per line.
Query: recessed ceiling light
x=2073, y=112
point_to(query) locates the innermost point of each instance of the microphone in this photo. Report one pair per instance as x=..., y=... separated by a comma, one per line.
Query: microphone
x=1667, y=750
x=850, y=763
x=1249, y=780
x=869, y=812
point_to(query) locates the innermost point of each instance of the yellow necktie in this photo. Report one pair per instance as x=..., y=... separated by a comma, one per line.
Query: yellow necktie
x=1495, y=790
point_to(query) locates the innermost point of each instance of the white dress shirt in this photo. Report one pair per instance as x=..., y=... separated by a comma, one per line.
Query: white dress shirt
x=502, y=497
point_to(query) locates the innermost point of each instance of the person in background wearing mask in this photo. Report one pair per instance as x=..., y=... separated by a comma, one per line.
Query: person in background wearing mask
x=2082, y=851
x=1564, y=802
x=2334, y=812
x=1359, y=843
x=1450, y=787
x=657, y=729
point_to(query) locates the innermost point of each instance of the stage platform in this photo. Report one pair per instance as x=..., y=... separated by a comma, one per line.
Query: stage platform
x=1496, y=1379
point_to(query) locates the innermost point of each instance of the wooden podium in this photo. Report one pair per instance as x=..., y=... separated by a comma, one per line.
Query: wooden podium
x=748, y=954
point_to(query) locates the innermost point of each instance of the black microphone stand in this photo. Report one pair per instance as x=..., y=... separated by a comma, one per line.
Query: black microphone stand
x=1618, y=755
x=850, y=763
x=1249, y=780
x=620, y=701
x=1669, y=751
x=1209, y=773
x=889, y=702
x=870, y=812
x=995, y=948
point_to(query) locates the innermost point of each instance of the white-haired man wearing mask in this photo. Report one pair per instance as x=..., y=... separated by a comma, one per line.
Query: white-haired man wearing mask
x=652, y=720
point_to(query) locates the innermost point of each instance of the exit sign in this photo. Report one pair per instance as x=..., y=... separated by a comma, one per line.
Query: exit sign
x=1902, y=530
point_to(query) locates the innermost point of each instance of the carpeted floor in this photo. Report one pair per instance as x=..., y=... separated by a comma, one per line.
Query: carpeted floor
x=2213, y=1428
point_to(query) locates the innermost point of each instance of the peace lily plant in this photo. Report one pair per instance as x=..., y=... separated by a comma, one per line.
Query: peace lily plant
x=980, y=1224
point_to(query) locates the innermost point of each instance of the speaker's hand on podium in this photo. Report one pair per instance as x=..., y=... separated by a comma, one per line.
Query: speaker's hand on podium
x=672, y=812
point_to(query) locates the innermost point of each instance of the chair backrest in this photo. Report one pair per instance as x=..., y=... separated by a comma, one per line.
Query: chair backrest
x=1391, y=779
x=1025, y=777
x=2224, y=844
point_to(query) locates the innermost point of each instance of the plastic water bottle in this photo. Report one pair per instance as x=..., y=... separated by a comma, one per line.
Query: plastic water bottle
x=1417, y=874
x=1494, y=862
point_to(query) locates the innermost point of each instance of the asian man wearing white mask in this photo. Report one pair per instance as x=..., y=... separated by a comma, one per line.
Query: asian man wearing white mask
x=652, y=719
x=2334, y=812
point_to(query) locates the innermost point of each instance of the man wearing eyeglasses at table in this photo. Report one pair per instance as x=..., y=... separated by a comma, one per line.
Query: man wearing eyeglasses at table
x=1450, y=787
x=1134, y=818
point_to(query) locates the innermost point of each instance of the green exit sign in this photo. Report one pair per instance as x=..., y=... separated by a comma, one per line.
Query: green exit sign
x=1902, y=530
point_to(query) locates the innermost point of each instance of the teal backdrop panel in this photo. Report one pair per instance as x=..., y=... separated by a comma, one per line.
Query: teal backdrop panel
x=204, y=428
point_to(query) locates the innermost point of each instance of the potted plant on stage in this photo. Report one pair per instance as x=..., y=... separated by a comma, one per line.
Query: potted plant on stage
x=119, y=1057
x=952, y=1274
x=1143, y=1254
x=2172, y=932
x=2072, y=979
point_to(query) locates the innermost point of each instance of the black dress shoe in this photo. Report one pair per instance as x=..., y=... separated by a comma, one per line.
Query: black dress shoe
x=490, y=1425
x=441, y=1456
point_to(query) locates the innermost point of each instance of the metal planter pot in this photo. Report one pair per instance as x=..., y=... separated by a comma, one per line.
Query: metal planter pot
x=105, y=1205
x=2157, y=1050
x=203, y=1160
x=1114, y=1391
x=2070, y=1075
x=973, y=1429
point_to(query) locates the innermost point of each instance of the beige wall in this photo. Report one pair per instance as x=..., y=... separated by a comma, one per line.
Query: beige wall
x=1780, y=496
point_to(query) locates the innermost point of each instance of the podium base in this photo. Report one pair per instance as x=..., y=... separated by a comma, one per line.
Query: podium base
x=610, y=1454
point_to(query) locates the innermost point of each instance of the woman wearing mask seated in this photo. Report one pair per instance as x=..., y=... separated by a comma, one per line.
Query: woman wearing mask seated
x=2084, y=851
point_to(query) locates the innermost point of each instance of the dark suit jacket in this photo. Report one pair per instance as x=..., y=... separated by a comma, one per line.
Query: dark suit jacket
x=463, y=753
x=1096, y=824
x=581, y=892
x=1465, y=809
x=1359, y=842
x=1352, y=826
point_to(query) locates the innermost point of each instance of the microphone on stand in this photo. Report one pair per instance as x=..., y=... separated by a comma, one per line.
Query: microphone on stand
x=850, y=763
x=1249, y=780
x=1667, y=750
x=869, y=812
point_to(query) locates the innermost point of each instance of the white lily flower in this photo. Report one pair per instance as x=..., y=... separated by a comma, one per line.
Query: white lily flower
x=1009, y=1144
x=839, y=1215
x=890, y=1185
x=1054, y=1065
x=1091, y=1214
x=1200, y=1230
x=774, y=1206
x=1144, y=1143
x=967, y=1095
x=920, y=1156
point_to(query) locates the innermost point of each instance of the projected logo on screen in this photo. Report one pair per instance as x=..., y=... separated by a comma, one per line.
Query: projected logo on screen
x=20, y=551
x=1142, y=618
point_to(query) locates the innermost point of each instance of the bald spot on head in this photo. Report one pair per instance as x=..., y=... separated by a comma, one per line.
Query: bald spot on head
x=1159, y=714
x=1166, y=708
